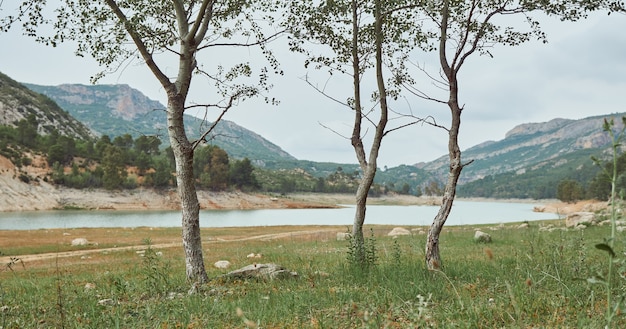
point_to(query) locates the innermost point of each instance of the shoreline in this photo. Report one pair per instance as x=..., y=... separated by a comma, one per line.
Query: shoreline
x=45, y=197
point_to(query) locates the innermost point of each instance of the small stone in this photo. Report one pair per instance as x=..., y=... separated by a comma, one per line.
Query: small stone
x=342, y=236
x=80, y=242
x=523, y=225
x=482, y=237
x=222, y=264
x=399, y=231
x=106, y=302
x=90, y=286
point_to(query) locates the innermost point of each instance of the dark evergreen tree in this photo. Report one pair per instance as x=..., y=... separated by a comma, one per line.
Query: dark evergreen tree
x=242, y=175
x=569, y=191
x=114, y=169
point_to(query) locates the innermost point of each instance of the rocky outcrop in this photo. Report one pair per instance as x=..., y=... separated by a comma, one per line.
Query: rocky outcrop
x=268, y=271
x=580, y=218
x=18, y=103
x=16, y=195
x=530, y=146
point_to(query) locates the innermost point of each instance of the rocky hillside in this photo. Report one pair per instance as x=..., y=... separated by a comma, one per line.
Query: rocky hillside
x=18, y=102
x=115, y=110
x=531, y=145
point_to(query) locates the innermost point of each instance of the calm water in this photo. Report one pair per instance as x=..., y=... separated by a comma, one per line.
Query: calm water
x=463, y=213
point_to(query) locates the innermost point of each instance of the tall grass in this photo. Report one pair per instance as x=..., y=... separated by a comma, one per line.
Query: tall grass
x=525, y=278
x=613, y=307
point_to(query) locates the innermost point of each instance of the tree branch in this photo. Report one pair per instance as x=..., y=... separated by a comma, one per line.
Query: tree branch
x=141, y=46
x=237, y=44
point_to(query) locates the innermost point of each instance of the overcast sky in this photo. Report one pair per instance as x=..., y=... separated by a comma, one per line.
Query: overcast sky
x=581, y=72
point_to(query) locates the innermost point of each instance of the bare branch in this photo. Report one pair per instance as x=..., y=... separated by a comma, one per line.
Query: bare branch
x=333, y=130
x=225, y=109
x=322, y=91
x=239, y=44
x=141, y=46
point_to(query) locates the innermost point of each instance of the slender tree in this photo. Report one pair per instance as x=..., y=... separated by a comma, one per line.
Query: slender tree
x=172, y=33
x=461, y=29
x=361, y=37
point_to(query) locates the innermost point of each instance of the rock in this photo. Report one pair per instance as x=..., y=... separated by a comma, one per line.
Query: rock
x=90, y=286
x=80, y=242
x=539, y=209
x=343, y=236
x=222, y=264
x=482, y=237
x=268, y=271
x=576, y=218
x=548, y=228
x=106, y=302
x=523, y=225
x=253, y=255
x=399, y=231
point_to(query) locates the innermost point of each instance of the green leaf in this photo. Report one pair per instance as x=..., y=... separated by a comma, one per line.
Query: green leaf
x=607, y=248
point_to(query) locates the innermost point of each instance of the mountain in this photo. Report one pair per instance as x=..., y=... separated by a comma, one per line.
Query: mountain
x=529, y=145
x=18, y=102
x=115, y=110
x=532, y=158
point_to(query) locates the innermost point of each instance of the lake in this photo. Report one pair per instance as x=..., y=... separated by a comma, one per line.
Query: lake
x=463, y=213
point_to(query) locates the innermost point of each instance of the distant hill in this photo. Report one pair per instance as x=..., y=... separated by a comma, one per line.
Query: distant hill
x=528, y=145
x=532, y=158
x=115, y=110
x=18, y=102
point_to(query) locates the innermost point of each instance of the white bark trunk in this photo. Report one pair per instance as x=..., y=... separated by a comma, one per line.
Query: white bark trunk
x=190, y=207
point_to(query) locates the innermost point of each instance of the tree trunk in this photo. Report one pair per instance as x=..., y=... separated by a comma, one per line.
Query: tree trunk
x=358, y=240
x=190, y=207
x=433, y=258
x=368, y=167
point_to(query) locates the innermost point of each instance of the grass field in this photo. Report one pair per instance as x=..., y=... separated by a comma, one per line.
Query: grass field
x=525, y=278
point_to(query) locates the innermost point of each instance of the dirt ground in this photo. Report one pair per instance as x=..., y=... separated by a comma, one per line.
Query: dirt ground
x=115, y=240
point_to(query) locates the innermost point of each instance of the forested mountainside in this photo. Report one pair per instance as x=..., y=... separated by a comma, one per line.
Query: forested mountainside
x=528, y=163
x=116, y=110
x=19, y=103
x=529, y=145
x=533, y=158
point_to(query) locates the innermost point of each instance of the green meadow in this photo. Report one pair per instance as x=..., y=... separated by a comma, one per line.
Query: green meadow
x=526, y=278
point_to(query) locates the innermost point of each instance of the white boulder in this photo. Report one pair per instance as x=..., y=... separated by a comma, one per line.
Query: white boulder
x=482, y=237
x=80, y=242
x=579, y=218
x=222, y=264
x=343, y=236
x=399, y=231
